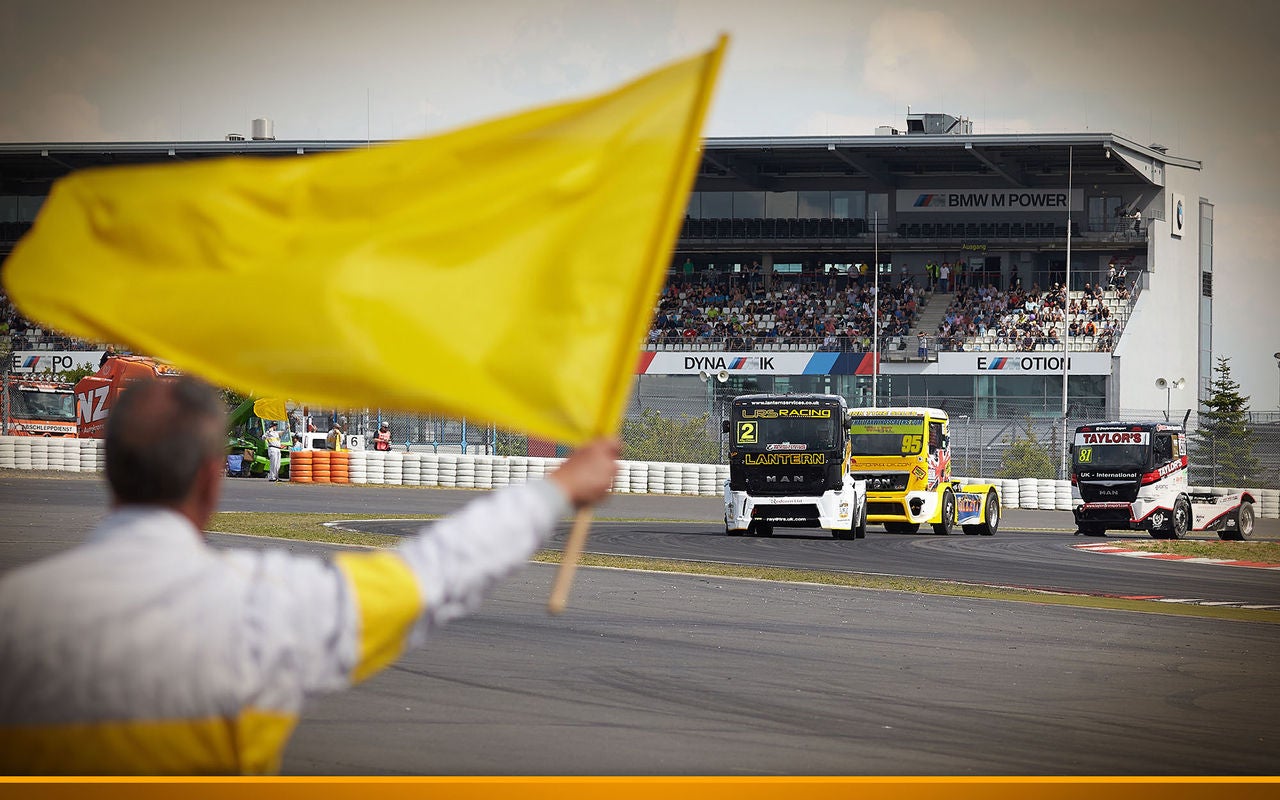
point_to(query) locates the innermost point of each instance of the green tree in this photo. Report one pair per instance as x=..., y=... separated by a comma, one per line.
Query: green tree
x=74, y=375
x=1221, y=448
x=653, y=437
x=1027, y=457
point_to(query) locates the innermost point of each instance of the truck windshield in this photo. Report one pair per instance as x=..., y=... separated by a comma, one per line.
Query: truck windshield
x=753, y=430
x=1090, y=457
x=48, y=406
x=886, y=436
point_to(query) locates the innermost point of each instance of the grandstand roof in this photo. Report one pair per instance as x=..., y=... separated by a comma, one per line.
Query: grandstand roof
x=757, y=163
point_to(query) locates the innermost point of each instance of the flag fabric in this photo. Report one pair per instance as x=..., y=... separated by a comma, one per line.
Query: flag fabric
x=270, y=408
x=504, y=272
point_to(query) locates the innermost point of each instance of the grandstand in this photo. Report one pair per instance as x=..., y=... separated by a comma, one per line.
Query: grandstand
x=787, y=240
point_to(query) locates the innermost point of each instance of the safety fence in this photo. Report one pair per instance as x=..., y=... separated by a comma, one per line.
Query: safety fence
x=450, y=470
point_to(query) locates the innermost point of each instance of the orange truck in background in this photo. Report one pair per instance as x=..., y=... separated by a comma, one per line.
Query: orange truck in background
x=34, y=407
x=95, y=394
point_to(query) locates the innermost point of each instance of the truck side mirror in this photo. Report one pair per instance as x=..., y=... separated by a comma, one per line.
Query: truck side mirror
x=724, y=426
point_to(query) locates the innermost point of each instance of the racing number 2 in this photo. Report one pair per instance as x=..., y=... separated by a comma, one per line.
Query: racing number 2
x=747, y=432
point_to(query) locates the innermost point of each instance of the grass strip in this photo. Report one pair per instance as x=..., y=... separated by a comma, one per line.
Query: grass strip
x=857, y=580
x=1268, y=552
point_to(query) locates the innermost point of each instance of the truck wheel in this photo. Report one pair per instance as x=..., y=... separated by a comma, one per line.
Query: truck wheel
x=902, y=527
x=1091, y=530
x=860, y=530
x=1181, y=524
x=839, y=534
x=943, y=528
x=733, y=531
x=1244, y=524
x=990, y=518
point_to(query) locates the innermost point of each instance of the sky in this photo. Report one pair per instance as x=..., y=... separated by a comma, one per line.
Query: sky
x=1188, y=75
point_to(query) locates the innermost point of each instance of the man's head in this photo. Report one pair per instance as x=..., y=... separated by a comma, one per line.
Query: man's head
x=165, y=446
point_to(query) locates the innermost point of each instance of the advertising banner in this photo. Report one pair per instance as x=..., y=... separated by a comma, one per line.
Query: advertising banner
x=1039, y=363
x=684, y=362
x=28, y=361
x=987, y=200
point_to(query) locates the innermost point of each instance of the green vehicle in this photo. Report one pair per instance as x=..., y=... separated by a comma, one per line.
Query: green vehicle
x=246, y=436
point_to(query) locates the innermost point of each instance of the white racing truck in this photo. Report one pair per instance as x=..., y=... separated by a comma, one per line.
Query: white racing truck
x=1133, y=476
x=789, y=467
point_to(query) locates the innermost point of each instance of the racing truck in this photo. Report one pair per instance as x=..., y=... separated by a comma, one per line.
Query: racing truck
x=904, y=455
x=789, y=467
x=35, y=407
x=1133, y=476
x=96, y=394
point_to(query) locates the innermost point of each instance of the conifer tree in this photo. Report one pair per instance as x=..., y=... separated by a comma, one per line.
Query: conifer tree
x=1221, y=446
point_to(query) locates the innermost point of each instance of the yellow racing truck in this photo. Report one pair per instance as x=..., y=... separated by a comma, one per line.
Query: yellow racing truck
x=904, y=455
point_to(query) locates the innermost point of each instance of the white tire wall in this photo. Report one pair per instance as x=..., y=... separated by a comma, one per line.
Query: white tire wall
x=358, y=467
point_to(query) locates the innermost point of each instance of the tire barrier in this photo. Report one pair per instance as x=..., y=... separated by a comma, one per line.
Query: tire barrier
x=300, y=465
x=340, y=467
x=454, y=470
x=321, y=461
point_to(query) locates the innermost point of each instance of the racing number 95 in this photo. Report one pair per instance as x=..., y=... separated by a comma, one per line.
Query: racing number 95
x=911, y=443
x=747, y=432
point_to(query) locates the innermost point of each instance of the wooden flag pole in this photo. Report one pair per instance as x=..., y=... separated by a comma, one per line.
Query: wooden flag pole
x=569, y=562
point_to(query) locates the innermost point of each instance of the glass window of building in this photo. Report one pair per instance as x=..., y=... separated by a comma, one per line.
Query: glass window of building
x=780, y=205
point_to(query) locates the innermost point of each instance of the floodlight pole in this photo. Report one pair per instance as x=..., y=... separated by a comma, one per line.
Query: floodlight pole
x=875, y=317
x=1066, y=304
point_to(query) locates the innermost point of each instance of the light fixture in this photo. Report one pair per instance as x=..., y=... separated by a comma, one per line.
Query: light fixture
x=1169, y=385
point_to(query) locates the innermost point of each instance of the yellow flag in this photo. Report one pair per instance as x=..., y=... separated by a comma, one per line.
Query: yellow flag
x=270, y=408
x=505, y=272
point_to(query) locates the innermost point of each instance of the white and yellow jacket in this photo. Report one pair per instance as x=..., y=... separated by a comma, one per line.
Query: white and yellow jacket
x=145, y=651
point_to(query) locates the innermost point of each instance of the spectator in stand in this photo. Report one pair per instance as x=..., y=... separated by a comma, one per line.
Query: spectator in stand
x=944, y=276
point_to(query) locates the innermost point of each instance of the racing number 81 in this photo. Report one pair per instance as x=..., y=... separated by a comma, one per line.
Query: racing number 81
x=747, y=433
x=1084, y=455
x=911, y=443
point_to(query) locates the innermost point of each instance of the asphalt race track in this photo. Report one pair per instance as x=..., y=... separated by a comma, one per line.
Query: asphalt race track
x=662, y=674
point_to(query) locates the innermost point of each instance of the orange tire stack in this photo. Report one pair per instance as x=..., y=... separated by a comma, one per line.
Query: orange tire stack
x=320, y=465
x=339, y=467
x=300, y=466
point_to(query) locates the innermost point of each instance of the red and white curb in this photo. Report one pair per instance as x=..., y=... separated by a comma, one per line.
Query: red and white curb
x=1110, y=549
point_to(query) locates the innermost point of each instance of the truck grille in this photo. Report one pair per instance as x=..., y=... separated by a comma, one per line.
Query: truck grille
x=884, y=481
x=1109, y=491
x=782, y=481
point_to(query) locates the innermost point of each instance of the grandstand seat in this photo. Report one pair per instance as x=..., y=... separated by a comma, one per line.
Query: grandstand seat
x=902, y=229
x=913, y=230
x=971, y=229
x=826, y=228
x=1046, y=230
x=738, y=229
x=859, y=226
x=1002, y=230
x=1015, y=230
x=986, y=230
x=926, y=229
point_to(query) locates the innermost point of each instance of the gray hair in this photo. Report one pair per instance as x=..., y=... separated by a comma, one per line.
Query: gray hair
x=160, y=432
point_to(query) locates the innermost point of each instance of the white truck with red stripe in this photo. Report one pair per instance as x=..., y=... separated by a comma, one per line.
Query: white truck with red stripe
x=1133, y=476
